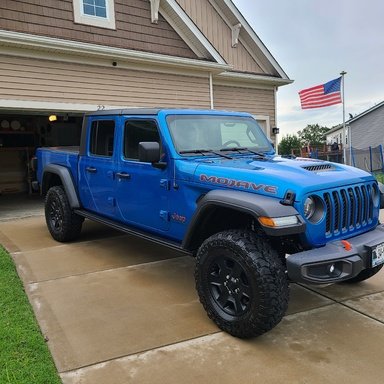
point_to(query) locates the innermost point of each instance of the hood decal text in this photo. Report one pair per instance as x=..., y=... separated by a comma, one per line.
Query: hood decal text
x=238, y=184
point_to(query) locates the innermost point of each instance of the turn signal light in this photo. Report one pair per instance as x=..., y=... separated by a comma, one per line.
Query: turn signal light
x=278, y=221
x=267, y=221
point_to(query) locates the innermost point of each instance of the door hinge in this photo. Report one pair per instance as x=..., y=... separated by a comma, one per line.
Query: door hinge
x=164, y=215
x=111, y=201
x=164, y=183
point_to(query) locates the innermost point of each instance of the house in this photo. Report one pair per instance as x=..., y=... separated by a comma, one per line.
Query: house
x=59, y=58
x=365, y=130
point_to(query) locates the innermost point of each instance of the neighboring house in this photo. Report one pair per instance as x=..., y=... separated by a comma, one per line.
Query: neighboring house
x=64, y=57
x=365, y=129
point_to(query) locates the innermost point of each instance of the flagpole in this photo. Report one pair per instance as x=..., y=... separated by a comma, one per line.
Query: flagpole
x=343, y=73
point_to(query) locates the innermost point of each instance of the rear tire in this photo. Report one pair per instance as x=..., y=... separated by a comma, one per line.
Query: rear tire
x=364, y=275
x=63, y=224
x=241, y=283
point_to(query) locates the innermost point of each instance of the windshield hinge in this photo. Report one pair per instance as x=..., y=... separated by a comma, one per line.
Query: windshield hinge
x=164, y=183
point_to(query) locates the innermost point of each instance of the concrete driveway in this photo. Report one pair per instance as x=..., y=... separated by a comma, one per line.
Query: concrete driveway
x=116, y=309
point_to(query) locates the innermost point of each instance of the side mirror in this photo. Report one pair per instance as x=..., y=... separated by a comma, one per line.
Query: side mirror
x=149, y=152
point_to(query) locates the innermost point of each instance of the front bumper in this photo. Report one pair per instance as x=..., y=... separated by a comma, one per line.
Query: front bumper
x=333, y=262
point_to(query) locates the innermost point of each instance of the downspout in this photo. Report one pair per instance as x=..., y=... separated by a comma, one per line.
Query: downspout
x=276, y=138
x=211, y=90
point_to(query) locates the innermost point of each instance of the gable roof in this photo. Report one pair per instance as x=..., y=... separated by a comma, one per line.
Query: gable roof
x=359, y=116
x=174, y=13
x=208, y=56
x=183, y=25
x=251, y=37
x=377, y=106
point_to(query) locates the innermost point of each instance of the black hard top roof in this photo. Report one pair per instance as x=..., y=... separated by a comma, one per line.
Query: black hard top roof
x=125, y=111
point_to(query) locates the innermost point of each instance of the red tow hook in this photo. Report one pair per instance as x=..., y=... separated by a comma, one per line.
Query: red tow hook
x=347, y=245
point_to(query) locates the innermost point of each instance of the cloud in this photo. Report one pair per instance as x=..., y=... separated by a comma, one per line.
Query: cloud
x=314, y=41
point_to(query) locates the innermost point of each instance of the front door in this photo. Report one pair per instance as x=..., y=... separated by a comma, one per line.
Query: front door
x=142, y=189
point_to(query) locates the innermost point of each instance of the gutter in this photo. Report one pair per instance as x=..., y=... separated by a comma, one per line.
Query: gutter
x=248, y=78
x=55, y=45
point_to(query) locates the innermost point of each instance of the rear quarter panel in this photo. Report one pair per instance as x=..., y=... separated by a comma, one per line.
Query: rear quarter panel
x=64, y=156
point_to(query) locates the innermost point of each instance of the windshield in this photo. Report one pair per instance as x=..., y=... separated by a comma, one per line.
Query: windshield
x=193, y=133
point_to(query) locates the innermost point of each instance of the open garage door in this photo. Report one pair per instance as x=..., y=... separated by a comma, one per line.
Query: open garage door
x=21, y=132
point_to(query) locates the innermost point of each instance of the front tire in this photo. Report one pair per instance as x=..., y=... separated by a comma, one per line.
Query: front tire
x=241, y=283
x=63, y=224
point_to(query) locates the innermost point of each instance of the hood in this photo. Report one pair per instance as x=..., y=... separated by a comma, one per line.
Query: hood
x=275, y=175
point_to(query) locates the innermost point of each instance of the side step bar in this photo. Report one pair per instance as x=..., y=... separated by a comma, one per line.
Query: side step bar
x=131, y=231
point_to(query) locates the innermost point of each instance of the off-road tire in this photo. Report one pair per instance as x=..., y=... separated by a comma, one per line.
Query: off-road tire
x=364, y=275
x=241, y=282
x=63, y=224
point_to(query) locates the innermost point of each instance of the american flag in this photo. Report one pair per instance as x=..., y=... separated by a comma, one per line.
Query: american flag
x=321, y=95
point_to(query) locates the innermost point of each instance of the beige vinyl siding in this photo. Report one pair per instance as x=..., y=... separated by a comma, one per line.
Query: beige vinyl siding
x=219, y=34
x=134, y=29
x=42, y=80
x=255, y=101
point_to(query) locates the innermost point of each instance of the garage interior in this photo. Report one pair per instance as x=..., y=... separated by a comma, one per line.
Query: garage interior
x=21, y=132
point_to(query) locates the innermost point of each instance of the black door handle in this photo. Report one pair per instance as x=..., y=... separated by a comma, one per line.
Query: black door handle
x=91, y=169
x=123, y=175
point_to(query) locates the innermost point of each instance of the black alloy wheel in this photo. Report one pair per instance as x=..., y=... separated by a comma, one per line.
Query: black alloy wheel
x=56, y=215
x=229, y=285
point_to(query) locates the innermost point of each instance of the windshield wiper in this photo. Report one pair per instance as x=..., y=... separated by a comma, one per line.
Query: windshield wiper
x=239, y=149
x=197, y=151
x=204, y=152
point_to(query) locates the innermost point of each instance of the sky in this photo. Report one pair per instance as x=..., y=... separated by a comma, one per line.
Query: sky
x=313, y=41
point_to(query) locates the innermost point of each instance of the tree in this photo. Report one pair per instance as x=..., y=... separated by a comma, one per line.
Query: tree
x=313, y=134
x=288, y=143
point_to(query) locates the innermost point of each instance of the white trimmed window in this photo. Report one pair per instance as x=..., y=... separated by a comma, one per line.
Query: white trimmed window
x=100, y=13
x=264, y=124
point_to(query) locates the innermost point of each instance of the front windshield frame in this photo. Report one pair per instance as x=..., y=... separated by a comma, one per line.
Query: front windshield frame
x=211, y=132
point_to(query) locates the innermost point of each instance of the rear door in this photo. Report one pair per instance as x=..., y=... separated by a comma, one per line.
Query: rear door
x=96, y=167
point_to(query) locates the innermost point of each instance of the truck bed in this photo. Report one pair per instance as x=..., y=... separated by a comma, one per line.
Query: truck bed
x=65, y=156
x=73, y=149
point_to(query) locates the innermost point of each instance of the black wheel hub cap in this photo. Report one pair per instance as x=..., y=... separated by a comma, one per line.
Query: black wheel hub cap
x=229, y=286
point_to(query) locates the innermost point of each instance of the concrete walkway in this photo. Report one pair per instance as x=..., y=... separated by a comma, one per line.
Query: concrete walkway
x=116, y=309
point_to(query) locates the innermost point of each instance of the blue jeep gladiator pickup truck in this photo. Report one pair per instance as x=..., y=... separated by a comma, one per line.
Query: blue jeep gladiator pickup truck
x=209, y=183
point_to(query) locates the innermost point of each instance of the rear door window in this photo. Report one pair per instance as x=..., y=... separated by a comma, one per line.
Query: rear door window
x=102, y=138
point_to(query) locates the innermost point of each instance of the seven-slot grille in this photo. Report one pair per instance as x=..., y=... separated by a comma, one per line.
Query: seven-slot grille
x=348, y=209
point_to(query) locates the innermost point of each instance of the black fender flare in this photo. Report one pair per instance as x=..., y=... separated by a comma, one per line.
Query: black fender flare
x=249, y=203
x=66, y=179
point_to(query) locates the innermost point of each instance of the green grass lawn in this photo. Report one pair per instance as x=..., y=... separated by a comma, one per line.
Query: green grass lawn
x=24, y=355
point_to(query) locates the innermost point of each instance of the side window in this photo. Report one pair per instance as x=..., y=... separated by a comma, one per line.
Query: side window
x=102, y=137
x=137, y=131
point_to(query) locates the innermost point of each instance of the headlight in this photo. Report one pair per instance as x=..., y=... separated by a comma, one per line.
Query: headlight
x=309, y=207
x=375, y=195
x=313, y=209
